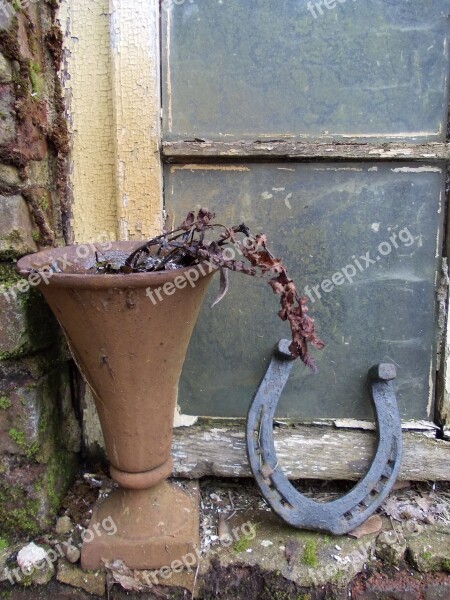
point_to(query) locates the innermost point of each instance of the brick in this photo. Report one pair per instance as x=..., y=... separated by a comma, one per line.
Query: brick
x=5, y=70
x=7, y=114
x=16, y=227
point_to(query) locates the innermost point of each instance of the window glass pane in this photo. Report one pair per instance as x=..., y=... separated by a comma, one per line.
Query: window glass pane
x=251, y=69
x=362, y=240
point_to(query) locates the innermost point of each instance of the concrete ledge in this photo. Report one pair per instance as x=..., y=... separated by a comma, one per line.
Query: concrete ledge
x=259, y=557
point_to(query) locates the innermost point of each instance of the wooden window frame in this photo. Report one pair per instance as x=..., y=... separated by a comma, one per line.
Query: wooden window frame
x=132, y=156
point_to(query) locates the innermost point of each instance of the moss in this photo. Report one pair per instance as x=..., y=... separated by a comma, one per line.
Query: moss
x=9, y=355
x=3, y=544
x=33, y=510
x=446, y=565
x=31, y=450
x=60, y=474
x=8, y=275
x=36, y=236
x=242, y=544
x=5, y=403
x=36, y=79
x=13, y=237
x=18, y=437
x=427, y=555
x=310, y=554
x=43, y=203
x=21, y=519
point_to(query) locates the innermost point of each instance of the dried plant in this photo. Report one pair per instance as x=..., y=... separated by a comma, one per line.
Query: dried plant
x=186, y=246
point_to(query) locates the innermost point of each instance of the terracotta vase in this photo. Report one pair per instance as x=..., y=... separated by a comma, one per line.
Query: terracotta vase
x=130, y=345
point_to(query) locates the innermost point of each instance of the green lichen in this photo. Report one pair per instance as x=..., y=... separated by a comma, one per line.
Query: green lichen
x=5, y=403
x=427, y=555
x=310, y=554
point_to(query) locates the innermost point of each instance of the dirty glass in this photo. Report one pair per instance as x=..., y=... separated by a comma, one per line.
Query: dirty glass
x=258, y=69
x=362, y=241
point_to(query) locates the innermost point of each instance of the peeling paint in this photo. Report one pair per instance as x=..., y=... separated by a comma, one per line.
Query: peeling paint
x=192, y=167
x=357, y=169
x=136, y=127
x=111, y=84
x=425, y=169
x=88, y=97
x=430, y=389
x=180, y=420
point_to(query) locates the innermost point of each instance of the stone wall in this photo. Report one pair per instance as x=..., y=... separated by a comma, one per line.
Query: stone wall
x=39, y=432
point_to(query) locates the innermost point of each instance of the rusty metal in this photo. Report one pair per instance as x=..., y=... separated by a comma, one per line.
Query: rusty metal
x=344, y=514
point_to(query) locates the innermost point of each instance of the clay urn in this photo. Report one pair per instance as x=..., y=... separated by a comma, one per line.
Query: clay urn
x=130, y=345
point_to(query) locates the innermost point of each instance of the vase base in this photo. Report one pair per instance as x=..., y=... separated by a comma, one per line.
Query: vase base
x=146, y=529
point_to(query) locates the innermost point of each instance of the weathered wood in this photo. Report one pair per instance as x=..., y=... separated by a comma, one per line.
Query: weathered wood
x=135, y=65
x=305, y=452
x=443, y=297
x=189, y=150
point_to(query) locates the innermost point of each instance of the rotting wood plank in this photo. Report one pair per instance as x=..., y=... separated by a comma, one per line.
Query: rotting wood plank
x=217, y=448
x=180, y=151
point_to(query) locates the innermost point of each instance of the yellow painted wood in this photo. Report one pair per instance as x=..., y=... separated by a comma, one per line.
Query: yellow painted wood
x=111, y=83
x=88, y=95
x=136, y=102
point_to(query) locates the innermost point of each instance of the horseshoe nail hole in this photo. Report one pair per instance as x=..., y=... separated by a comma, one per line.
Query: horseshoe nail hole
x=285, y=503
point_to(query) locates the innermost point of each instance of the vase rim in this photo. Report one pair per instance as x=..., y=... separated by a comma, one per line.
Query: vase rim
x=36, y=263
